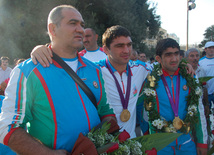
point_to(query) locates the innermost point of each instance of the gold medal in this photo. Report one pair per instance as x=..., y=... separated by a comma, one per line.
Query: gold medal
x=125, y=115
x=148, y=106
x=151, y=80
x=177, y=123
x=187, y=126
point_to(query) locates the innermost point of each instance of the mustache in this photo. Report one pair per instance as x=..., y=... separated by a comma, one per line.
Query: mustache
x=86, y=42
x=195, y=61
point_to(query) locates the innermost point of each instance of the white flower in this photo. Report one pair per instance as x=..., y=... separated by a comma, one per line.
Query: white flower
x=149, y=92
x=190, y=113
x=153, y=93
x=198, y=91
x=155, y=122
x=172, y=129
x=192, y=108
x=159, y=72
x=160, y=124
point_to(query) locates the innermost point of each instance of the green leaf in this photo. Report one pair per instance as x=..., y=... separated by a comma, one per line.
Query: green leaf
x=104, y=148
x=211, y=151
x=157, y=140
x=205, y=79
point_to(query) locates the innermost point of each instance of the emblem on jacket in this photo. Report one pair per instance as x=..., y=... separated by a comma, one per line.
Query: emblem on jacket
x=135, y=91
x=185, y=87
x=95, y=84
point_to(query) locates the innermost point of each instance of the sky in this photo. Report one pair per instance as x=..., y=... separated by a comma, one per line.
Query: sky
x=173, y=15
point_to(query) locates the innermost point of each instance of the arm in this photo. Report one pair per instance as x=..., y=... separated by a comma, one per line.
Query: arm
x=15, y=114
x=42, y=54
x=103, y=107
x=21, y=142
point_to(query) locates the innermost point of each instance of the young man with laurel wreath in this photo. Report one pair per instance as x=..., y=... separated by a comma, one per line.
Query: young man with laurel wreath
x=172, y=101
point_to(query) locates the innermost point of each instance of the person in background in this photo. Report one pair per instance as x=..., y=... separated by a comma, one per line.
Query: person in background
x=168, y=108
x=3, y=85
x=207, y=63
x=58, y=111
x=193, y=55
x=92, y=51
x=182, y=54
x=134, y=55
x=142, y=57
x=4, y=71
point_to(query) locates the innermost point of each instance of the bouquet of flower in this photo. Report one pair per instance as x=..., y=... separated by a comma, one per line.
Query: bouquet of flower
x=119, y=144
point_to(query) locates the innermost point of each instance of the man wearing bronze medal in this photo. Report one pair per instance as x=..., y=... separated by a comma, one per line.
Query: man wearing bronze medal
x=170, y=103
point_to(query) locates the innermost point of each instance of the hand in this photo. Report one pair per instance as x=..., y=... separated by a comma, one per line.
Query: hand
x=42, y=54
x=190, y=70
x=113, y=127
x=201, y=151
x=84, y=145
x=3, y=86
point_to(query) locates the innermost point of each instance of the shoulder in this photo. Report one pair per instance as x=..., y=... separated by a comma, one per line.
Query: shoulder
x=27, y=66
x=202, y=59
x=90, y=64
x=138, y=64
x=9, y=69
x=101, y=63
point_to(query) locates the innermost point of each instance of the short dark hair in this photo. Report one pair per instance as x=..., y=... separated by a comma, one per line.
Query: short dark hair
x=113, y=32
x=163, y=44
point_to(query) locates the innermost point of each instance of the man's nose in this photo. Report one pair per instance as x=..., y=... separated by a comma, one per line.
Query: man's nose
x=80, y=29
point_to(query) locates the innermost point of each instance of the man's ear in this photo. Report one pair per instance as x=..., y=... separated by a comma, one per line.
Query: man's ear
x=106, y=50
x=96, y=37
x=52, y=29
x=158, y=58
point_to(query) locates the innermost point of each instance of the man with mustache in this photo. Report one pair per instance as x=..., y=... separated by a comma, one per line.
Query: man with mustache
x=92, y=51
x=168, y=98
x=193, y=55
x=56, y=108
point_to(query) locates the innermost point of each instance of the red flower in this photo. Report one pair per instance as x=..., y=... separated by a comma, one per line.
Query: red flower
x=123, y=136
x=204, y=83
x=151, y=152
x=213, y=132
x=113, y=148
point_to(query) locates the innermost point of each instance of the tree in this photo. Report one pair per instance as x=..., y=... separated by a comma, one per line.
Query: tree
x=208, y=35
x=23, y=23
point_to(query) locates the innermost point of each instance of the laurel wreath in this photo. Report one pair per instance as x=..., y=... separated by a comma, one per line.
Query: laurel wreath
x=159, y=124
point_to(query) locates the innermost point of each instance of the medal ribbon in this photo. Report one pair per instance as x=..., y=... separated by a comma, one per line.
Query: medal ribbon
x=173, y=105
x=125, y=100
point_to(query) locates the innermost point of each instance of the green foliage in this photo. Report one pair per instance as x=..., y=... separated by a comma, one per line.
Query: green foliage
x=23, y=23
x=208, y=35
x=157, y=140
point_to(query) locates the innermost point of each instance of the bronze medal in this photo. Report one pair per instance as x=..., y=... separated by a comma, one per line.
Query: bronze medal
x=125, y=115
x=177, y=123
